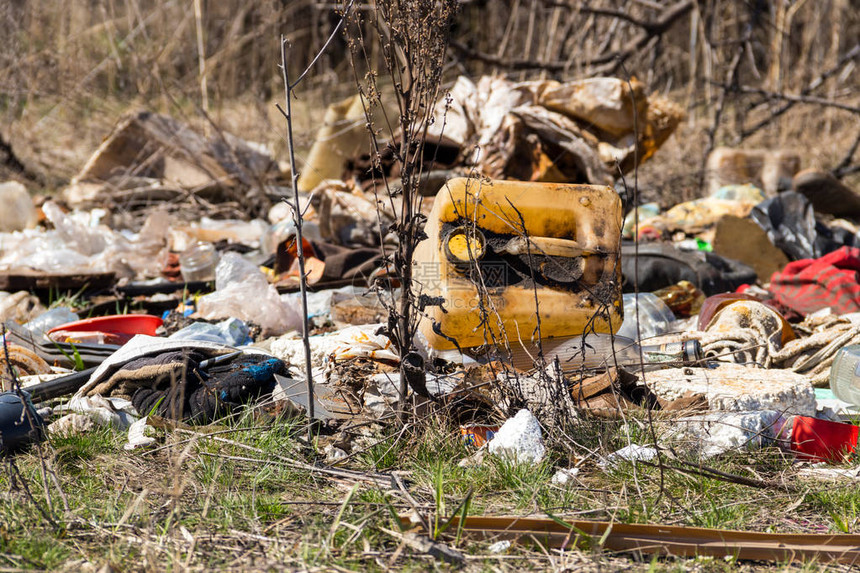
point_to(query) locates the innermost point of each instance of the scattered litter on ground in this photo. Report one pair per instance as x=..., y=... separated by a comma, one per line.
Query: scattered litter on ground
x=631, y=453
x=160, y=291
x=564, y=476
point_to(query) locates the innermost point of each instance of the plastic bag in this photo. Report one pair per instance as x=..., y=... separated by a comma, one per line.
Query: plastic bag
x=78, y=243
x=789, y=222
x=232, y=332
x=654, y=316
x=242, y=291
x=76, y=234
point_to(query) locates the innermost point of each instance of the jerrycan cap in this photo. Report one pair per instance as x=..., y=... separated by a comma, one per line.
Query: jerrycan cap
x=463, y=245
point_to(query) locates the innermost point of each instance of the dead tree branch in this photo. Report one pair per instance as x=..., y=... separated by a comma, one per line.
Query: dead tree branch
x=651, y=27
x=606, y=63
x=844, y=167
x=607, y=12
x=793, y=99
x=812, y=86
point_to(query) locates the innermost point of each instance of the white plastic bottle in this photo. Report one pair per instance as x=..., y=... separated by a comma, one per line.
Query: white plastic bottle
x=599, y=351
x=653, y=315
x=51, y=319
x=845, y=375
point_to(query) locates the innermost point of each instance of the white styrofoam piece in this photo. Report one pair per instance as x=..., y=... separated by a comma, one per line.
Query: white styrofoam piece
x=631, y=453
x=564, y=476
x=714, y=433
x=737, y=388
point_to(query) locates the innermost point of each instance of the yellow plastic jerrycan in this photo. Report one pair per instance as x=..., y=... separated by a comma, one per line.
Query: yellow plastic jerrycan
x=498, y=250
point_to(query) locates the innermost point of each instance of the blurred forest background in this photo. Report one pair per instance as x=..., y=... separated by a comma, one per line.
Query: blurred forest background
x=750, y=73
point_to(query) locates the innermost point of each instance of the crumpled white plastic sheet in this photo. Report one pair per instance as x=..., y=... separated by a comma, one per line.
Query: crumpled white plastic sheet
x=242, y=291
x=137, y=435
x=79, y=243
x=71, y=425
x=115, y=412
x=232, y=332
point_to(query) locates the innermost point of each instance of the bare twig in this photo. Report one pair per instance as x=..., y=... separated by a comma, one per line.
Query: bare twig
x=296, y=208
x=812, y=86
x=300, y=246
x=606, y=63
x=325, y=46
x=298, y=219
x=797, y=98
x=713, y=473
x=844, y=166
x=34, y=427
x=647, y=25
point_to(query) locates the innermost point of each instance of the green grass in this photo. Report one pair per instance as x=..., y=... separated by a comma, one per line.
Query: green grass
x=842, y=504
x=202, y=504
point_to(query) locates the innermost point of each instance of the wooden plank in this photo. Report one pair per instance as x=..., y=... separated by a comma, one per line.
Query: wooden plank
x=667, y=540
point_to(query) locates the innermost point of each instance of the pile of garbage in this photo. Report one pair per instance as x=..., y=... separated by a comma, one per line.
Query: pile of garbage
x=735, y=316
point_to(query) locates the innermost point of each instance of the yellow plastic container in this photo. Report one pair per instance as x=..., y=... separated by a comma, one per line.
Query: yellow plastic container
x=497, y=250
x=341, y=137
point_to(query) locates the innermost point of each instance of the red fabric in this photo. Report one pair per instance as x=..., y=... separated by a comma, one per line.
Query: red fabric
x=812, y=284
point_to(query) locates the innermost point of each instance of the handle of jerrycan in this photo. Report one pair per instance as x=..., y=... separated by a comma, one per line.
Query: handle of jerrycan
x=551, y=246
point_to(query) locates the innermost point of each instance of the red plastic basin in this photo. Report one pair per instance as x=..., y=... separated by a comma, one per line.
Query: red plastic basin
x=121, y=326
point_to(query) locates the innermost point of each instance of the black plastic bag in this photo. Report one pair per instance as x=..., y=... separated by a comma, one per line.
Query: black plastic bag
x=661, y=265
x=789, y=221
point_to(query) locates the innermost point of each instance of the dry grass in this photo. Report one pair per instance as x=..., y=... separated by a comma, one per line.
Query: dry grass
x=227, y=502
x=67, y=71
